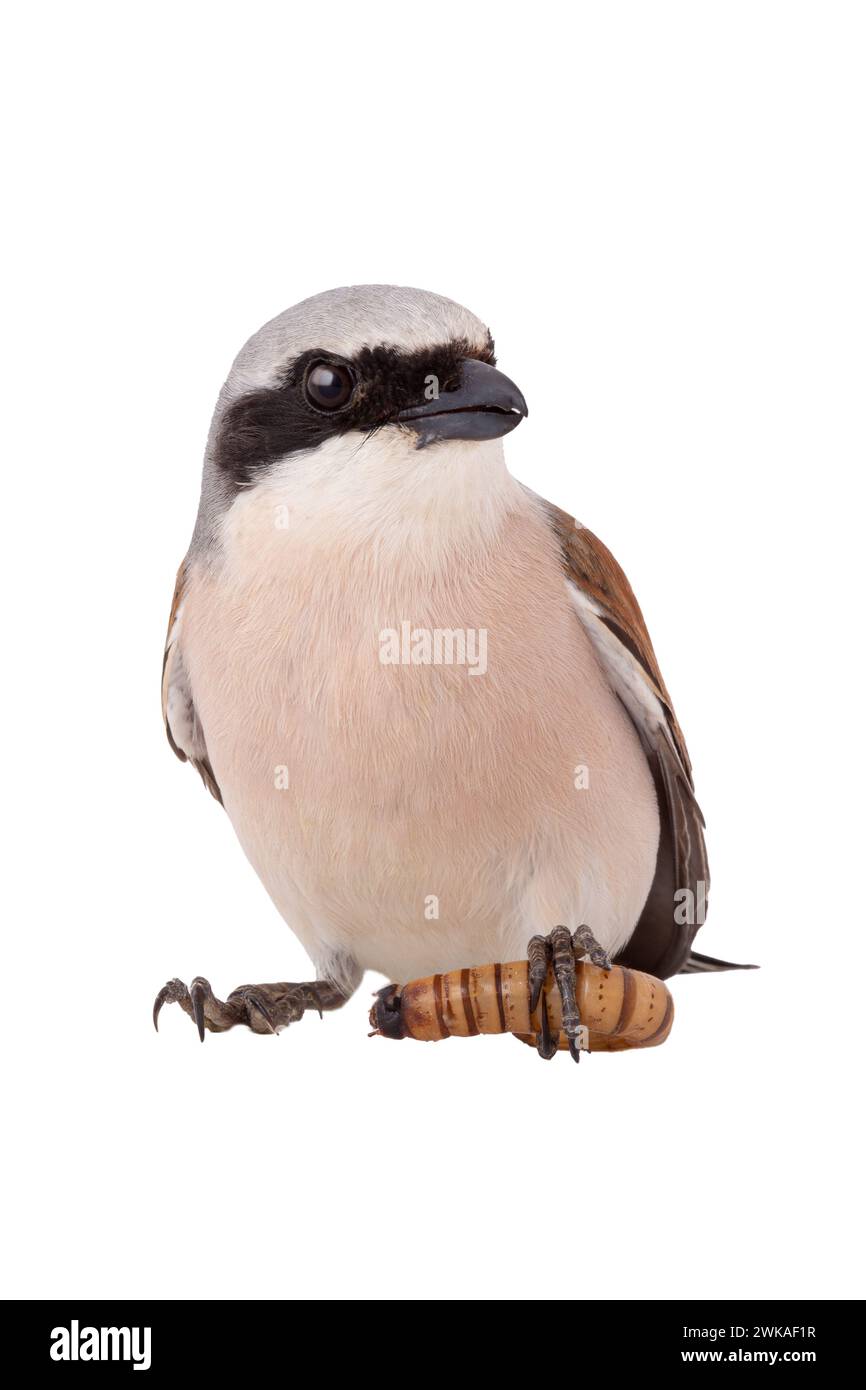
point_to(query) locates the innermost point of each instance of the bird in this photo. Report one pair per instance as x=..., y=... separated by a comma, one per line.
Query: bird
x=426, y=697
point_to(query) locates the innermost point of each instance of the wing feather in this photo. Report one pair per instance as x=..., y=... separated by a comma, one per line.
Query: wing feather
x=606, y=605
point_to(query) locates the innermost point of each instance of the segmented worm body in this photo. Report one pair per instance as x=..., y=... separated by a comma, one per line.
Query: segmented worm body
x=620, y=1008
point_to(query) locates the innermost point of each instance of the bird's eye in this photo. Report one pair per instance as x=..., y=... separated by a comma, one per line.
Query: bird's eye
x=329, y=385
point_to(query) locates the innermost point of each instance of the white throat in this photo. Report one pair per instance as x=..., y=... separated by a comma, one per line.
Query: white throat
x=404, y=507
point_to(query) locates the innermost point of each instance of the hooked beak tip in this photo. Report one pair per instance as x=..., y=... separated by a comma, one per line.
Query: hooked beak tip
x=485, y=405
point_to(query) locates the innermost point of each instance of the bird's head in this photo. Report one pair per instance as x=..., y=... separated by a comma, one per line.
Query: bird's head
x=358, y=361
x=366, y=389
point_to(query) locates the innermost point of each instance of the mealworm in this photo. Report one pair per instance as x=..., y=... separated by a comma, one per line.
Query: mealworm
x=620, y=1008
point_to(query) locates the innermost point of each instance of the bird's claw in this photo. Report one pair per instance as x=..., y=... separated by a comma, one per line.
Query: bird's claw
x=262, y=1008
x=557, y=951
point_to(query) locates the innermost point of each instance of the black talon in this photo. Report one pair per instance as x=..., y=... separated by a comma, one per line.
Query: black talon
x=157, y=1005
x=574, y=1049
x=547, y=1046
x=197, y=995
x=256, y=1003
x=174, y=990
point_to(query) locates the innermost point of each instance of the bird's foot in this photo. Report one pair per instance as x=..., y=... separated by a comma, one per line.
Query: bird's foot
x=263, y=1008
x=556, y=951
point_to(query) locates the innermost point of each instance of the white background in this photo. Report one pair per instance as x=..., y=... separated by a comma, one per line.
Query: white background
x=659, y=210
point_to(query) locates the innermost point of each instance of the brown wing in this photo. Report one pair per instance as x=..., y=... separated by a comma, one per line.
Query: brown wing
x=609, y=611
x=182, y=725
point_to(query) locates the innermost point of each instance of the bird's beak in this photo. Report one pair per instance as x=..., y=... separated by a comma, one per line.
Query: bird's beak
x=484, y=405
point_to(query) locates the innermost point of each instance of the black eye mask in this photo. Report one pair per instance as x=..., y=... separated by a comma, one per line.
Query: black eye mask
x=264, y=426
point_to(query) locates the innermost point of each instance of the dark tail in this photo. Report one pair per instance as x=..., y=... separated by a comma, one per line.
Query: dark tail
x=704, y=965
